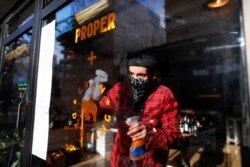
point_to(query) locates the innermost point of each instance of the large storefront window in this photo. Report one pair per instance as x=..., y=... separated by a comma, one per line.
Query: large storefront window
x=14, y=79
x=199, y=51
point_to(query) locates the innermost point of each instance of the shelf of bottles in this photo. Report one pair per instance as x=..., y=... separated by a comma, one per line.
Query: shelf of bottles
x=66, y=118
x=189, y=124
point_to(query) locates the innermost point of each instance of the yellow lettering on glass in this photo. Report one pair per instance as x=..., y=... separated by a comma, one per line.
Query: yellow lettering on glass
x=88, y=136
x=111, y=21
x=107, y=118
x=104, y=24
x=104, y=27
x=77, y=35
x=91, y=58
x=83, y=32
x=90, y=30
x=96, y=26
x=103, y=129
x=96, y=136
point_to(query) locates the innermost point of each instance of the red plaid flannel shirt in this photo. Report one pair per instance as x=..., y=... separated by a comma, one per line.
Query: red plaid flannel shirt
x=159, y=116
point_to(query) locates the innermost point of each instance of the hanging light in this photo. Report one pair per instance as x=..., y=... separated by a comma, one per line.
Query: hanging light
x=217, y=3
x=222, y=10
x=92, y=11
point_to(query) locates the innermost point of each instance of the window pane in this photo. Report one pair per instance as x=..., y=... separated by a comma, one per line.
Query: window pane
x=46, y=2
x=21, y=18
x=199, y=51
x=12, y=92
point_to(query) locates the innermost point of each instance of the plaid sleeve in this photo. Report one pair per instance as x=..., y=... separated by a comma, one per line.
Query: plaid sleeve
x=108, y=101
x=169, y=130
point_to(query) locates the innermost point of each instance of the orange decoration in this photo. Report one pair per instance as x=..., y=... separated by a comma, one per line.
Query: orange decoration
x=107, y=102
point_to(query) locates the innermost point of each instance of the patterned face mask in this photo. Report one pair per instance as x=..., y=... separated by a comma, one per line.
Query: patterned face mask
x=139, y=88
x=138, y=83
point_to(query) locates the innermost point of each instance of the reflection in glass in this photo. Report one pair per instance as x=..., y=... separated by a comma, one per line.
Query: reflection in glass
x=13, y=88
x=21, y=18
x=137, y=25
x=199, y=51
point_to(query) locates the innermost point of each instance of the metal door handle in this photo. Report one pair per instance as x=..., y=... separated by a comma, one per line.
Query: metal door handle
x=18, y=114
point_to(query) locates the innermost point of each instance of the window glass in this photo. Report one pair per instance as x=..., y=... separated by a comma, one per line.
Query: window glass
x=12, y=93
x=21, y=18
x=199, y=54
x=46, y=2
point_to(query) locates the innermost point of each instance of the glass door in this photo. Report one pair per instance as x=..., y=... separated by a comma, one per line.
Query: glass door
x=13, y=85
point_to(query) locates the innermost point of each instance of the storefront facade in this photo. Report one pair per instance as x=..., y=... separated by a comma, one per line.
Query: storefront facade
x=202, y=50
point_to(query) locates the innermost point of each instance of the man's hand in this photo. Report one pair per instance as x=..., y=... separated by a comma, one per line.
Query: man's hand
x=137, y=131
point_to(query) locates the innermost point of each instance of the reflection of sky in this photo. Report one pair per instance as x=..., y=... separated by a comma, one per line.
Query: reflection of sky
x=156, y=6
x=61, y=17
x=57, y=52
x=62, y=25
x=64, y=16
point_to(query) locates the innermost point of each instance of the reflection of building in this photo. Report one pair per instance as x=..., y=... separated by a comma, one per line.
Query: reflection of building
x=133, y=32
x=203, y=59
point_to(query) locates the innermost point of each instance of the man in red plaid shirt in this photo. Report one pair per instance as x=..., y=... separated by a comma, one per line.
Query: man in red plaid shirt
x=156, y=107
